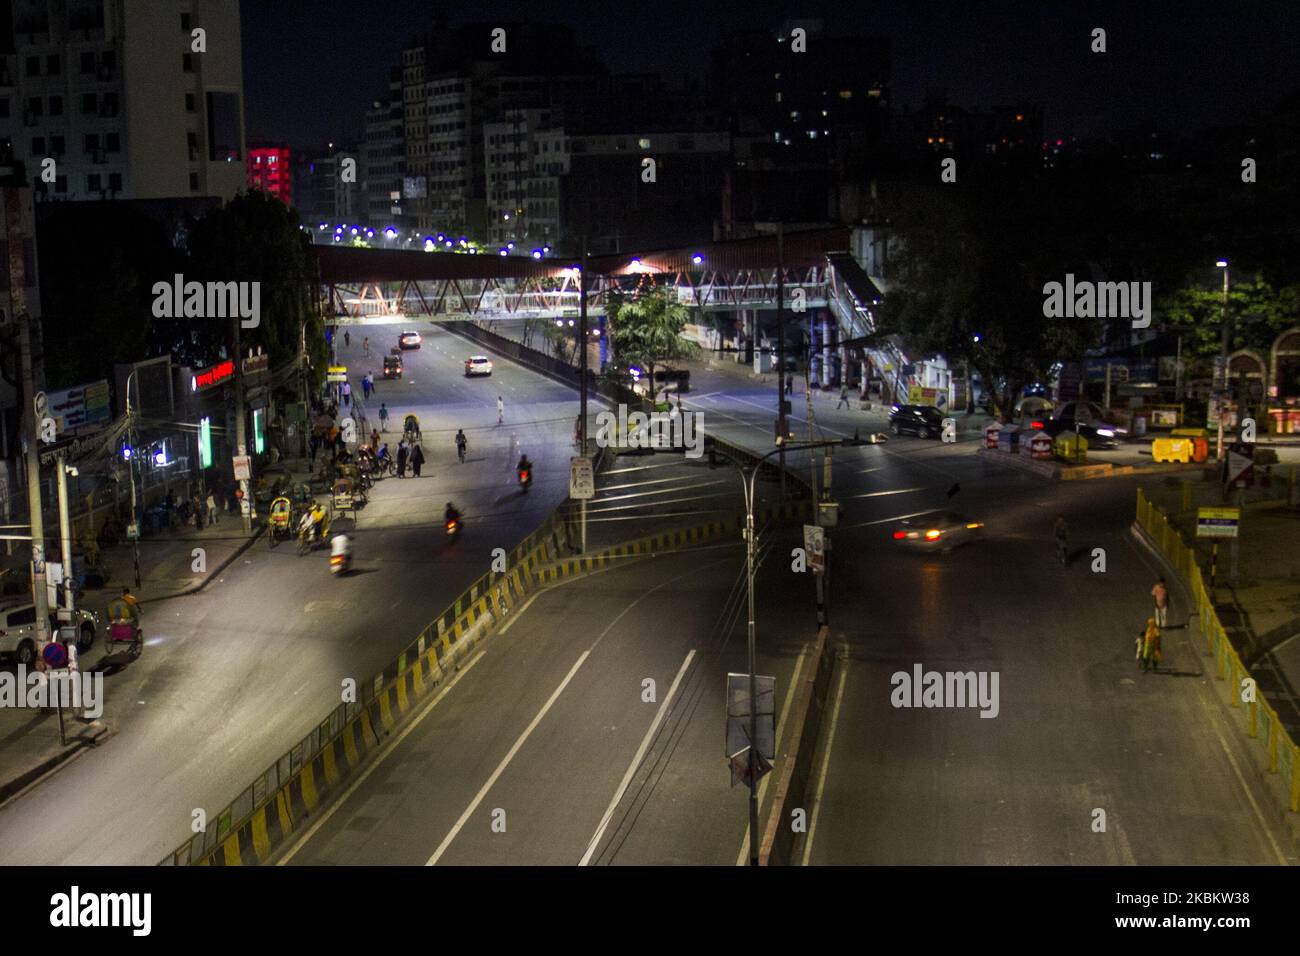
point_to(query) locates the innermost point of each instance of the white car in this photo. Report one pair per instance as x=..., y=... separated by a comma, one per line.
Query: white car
x=18, y=630
x=478, y=365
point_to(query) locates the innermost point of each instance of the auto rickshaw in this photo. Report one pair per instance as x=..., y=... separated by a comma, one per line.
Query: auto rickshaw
x=411, y=428
x=280, y=524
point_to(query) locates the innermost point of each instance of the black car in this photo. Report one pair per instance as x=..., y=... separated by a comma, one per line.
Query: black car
x=924, y=421
x=1089, y=419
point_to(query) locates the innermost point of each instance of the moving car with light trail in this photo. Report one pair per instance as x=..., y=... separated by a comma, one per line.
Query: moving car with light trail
x=940, y=531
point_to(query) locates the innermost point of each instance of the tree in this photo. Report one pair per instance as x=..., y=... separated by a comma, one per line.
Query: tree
x=1259, y=315
x=967, y=283
x=646, y=328
x=255, y=238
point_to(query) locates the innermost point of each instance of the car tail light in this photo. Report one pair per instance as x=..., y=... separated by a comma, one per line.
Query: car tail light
x=975, y=524
x=900, y=535
x=1036, y=424
x=933, y=534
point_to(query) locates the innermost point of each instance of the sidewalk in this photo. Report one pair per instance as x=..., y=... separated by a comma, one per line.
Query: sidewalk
x=1261, y=612
x=169, y=568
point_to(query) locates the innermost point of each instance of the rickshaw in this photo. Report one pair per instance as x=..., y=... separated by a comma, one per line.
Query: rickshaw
x=308, y=541
x=346, y=496
x=411, y=428
x=124, y=627
x=280, y=524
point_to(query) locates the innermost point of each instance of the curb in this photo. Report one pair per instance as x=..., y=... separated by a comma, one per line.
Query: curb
x=16, y=785
x=1055, y=471
x=211, y=576
x=791, y=792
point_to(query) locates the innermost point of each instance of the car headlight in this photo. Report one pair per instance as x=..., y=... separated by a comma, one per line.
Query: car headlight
x=1105, y=433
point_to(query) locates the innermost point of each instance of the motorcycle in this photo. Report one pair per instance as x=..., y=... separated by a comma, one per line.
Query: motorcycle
x=525, y=477
x=340, y=555
x=453, y=528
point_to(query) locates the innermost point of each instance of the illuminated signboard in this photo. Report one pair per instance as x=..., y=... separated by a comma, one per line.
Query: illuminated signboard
x=212, y=376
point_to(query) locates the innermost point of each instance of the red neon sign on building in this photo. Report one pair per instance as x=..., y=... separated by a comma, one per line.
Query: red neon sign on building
x=212, y=376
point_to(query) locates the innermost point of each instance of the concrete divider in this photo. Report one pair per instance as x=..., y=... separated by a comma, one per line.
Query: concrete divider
x=796, y=771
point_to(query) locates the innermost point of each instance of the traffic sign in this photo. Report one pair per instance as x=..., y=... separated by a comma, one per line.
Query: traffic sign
x=337, y=373
x=582, y=478
x=1217, y=522
x=243, y=467
x=738, y=714
x=55, y=655
x=1241, y=465
x=814, y=544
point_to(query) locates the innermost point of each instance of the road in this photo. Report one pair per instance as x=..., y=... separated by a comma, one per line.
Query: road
x=547, y=737
x=233, y=676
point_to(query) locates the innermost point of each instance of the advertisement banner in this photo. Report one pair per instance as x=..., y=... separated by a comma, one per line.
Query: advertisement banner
x=85, y=406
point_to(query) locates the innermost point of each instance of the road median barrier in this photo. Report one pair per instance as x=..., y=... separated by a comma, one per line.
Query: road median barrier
x=791, y=794
x=251, y=829
x=1257, y=717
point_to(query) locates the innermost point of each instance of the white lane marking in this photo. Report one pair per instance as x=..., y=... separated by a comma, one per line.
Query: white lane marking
x=636, y=761
x=825, y=767
x=1245, y=788
x=383, y=755
x=505, y=762
x=743, y=858
x=881, y=494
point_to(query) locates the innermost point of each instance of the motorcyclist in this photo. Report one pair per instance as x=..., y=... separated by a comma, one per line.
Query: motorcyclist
x=524, y=469
x=341, y=546
x=451, y=514
x=461, y=442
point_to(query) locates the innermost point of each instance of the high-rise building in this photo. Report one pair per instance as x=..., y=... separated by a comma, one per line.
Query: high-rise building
x=124, y=99
x=269, y=169
x=327, y=188
x=383, y=156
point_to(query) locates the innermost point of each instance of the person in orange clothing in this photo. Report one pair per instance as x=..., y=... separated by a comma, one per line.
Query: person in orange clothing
x=1148, y=647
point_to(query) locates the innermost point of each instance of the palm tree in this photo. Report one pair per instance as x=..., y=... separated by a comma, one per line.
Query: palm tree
x=647, y=329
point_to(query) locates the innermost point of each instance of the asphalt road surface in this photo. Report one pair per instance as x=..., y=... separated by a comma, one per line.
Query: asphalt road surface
x=233, y=676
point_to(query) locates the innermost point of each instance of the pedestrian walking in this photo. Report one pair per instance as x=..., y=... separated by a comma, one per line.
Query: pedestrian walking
x=365, y=346
x=368, y=384
x=200, y=517
x=383, y=417
x=1160, y=593
x=374, y=440
x=501, y=410
x=347, y=393
x=844, y=397
x=347, y=338
x=401, y=459
x=212, y=509
x=417, y=459
x=789, y=385
x=1148, y=646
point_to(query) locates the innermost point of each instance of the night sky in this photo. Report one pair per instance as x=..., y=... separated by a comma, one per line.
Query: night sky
x=312, y=67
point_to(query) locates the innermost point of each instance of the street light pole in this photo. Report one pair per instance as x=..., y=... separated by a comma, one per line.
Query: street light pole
x=1226, y=338
x=751, y=638
x=582, y=371
x=130, y=467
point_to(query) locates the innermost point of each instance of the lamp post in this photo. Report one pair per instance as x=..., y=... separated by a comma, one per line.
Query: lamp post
x=130, y=465
x=1226, y=337
x=747, y=489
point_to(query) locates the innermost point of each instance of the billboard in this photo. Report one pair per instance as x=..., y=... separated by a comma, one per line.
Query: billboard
x=85, y=406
